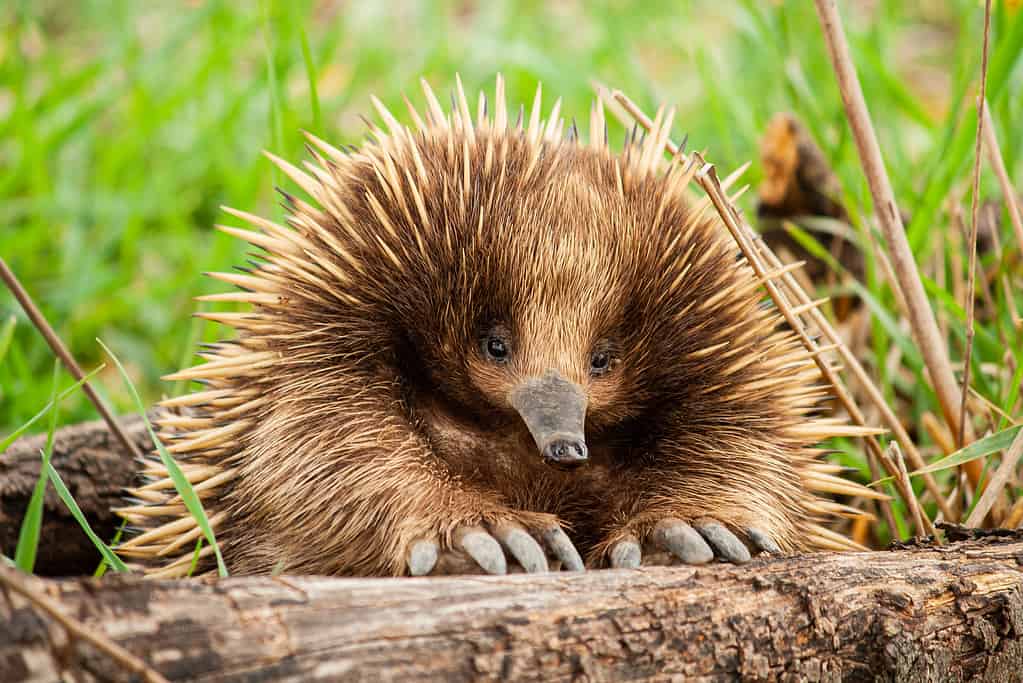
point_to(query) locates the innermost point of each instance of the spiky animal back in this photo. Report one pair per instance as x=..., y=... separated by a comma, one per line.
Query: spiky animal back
x=400, y=245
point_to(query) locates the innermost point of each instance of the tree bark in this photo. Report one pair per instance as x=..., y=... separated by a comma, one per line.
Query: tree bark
x=952, y=613
x=96, y=469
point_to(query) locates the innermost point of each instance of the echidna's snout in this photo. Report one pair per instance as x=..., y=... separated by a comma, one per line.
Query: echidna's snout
x=554, y=411
x=566, y=451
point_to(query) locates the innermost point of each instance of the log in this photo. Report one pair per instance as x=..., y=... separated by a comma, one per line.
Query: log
x=950, y=613
x=96, y=469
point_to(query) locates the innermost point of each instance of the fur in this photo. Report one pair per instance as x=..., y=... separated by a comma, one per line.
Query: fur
x=354, y=412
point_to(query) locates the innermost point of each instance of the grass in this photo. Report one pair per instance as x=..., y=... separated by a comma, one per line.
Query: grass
x=123, y=126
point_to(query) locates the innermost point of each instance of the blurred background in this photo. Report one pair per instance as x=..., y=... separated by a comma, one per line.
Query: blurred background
x=125, y=125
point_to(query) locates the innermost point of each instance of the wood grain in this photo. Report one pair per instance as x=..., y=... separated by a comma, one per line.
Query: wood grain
x=919, y=614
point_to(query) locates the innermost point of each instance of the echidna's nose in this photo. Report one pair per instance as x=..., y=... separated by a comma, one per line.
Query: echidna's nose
x=554, y=410
x=565, y=452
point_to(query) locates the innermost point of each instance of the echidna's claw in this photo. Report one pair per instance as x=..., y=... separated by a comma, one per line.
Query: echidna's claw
x=483, y=548
x=724, y=542
x=682, y=541
x=626, y=554
x=762, y=541
x=563, y=549
x=522, y=547
x=496, y=548
x=422, y=557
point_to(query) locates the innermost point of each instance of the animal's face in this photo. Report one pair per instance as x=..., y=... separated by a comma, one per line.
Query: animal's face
x=551, y=374
x=555, y=338
x=549, y=287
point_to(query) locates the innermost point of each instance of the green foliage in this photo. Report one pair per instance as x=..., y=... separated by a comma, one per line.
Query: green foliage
x=978, y=449
x=32, y=523
x=126, y=125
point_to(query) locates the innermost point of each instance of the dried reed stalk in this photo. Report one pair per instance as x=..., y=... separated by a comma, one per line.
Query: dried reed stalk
x=924, y=325
x=974, y=203
x=895, y=454
x=1011, y=203
x=998, y=164
x=37, y=318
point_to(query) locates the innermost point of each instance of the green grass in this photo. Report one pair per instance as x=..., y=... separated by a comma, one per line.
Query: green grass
x=124, y=125
x=32, y=523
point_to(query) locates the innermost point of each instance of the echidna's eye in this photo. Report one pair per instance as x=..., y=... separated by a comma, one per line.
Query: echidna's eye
x=600, y=361
x=496, y=349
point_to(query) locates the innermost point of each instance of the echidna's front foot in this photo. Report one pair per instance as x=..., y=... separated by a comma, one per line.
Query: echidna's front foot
x=673, y=540
x=492, y=549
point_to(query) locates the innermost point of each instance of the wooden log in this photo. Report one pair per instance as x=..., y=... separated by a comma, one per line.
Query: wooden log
x=952, y=613
x=96, y=469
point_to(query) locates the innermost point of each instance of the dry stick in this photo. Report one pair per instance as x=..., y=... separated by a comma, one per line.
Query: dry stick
x=940, y=279
x=895, y=454
x=873, y=447
x=956, y=215
x=708, y=181
x=36, y=316
x=854, y=366
x=12, y=579
x=974, y=203
x=1009, y=194
x=994, y=488
x=998, y=164
x=925, y=327
x=938, y=432
x=1006, y=287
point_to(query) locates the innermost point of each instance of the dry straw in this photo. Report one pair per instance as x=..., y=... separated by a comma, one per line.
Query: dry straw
x=922, y=321
x=974, y=203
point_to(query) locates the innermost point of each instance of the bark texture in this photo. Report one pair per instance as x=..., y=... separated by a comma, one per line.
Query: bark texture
x=96, y=469
x=915, y=614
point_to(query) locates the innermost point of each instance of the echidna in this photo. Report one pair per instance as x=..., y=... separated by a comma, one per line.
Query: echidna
x=489, y=339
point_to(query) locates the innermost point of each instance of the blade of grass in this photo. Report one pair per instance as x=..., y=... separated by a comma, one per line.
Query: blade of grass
x=1014, y=388
x=276, y=124
x=978, y=449
x=6, y=334
x=974, y=204
x=310, y=72
x=103, y=566
x=181, y=483
x=116, y=562
x=47, y=408
x=195, y=557
x=997, y=482
x=31, y=525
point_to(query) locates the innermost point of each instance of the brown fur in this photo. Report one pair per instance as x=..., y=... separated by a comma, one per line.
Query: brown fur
x=358, y=414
